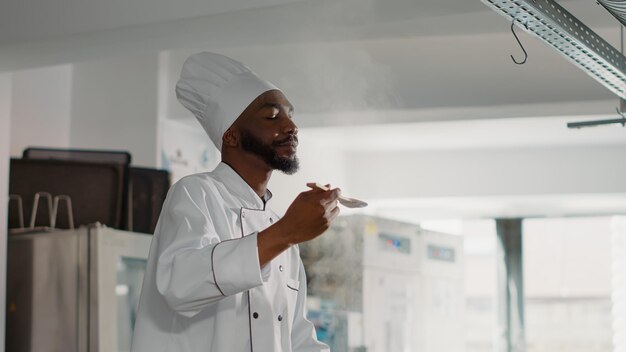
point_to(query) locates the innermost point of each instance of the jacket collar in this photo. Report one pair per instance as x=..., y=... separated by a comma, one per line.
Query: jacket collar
x=238, y=186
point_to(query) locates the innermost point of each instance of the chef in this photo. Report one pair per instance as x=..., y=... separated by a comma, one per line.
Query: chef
x=224, y=272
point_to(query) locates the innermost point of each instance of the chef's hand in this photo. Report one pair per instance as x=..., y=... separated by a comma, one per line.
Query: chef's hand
x=308, y=216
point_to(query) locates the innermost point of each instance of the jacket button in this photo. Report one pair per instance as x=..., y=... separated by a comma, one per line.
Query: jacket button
x=281, y=268
x=271, y=221
x=280, y=318
x=243, y=215
x=255, y=315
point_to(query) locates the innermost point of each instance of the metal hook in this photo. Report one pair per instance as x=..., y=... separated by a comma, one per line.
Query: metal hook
x=520, y=44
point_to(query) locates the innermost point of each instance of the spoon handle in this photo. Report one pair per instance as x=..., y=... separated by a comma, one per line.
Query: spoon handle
x=348, y=202
x=324, y=188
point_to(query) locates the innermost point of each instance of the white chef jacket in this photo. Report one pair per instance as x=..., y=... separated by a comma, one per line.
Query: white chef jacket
x=204, y=290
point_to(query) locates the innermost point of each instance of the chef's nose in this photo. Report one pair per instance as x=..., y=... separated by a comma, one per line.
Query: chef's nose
x=290, y=127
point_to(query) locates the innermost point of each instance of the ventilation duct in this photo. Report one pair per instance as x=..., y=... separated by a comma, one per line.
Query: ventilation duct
x=617, y=8
x=554, y=25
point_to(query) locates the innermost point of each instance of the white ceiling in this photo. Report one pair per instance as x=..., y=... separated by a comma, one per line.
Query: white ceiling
x=38, y=20
x=432, y=53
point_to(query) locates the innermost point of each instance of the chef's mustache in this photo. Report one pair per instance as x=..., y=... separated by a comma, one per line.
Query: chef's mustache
x=289, y=140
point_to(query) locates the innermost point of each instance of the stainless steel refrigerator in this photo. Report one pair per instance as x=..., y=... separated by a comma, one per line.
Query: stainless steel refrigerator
x=73, y=290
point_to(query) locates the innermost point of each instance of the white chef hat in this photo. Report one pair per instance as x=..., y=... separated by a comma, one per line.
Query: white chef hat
x=217, y=89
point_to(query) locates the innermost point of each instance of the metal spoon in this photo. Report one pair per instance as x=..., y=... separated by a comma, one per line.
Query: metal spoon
x=345, y=201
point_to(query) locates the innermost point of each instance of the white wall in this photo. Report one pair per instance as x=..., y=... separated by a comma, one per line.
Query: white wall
x=107, y=104
x=554, y=250
x=462, y=182
x=114, y=106
x=490, y=172
x=185, y=149
x=41, y=108
x=618, y=274
x=5, y=119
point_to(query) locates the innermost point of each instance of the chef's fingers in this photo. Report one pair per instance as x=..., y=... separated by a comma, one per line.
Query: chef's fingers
x=322, y=197
x=330, y=196
x=314, y=186
x=330, y=205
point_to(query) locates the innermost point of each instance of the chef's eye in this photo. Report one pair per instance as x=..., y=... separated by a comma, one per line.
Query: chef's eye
x=273, y=114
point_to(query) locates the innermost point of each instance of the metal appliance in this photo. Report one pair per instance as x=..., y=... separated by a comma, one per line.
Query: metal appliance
x=380, y=285
x=73, y=290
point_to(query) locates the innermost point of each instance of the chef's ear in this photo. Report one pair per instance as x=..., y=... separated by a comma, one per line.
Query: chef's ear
x=230, y=137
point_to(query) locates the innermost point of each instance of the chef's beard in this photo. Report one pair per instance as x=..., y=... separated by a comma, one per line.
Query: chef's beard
x=288, y=165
